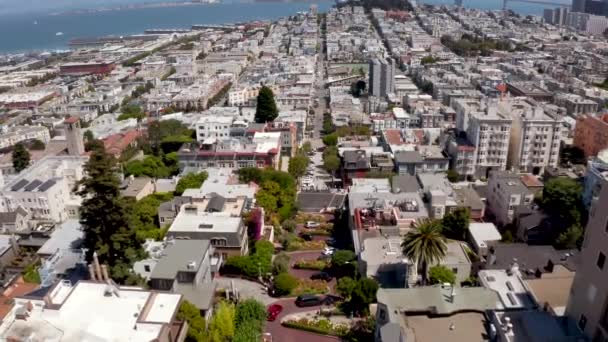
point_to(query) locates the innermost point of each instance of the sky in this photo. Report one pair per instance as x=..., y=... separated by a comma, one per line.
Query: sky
x=37, y=6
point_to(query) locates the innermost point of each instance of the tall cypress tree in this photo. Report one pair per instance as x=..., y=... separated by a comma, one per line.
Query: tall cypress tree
x=104, y=219
x=266, y=109
x=21, y=158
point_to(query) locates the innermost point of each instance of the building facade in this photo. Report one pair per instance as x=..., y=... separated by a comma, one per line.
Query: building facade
x=381, y=77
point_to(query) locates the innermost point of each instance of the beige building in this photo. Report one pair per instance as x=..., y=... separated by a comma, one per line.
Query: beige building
x=588, y=303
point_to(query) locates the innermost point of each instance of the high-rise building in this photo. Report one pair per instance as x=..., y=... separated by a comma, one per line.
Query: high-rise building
x=381, y=77
x=73, y=136
x=597, y=7
x=588, y=302
x=578, y=5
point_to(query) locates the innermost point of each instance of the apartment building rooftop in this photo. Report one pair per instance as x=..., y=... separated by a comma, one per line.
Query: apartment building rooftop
x=43, y=174
x=121, y=313
x=222, y=182
x=178, y=256
x=194, y=218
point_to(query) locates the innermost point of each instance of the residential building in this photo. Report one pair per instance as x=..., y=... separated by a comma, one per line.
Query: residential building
x=597, y=172
x=45, y=189
x=168, y=210
x=116, y=144
x=185, y=267
x=535, y=136
x=381, y=77
x=73, y=136
x=457, y=260
x=591, y=134
x=427, y=313
x=216, y=219
x=14, y=221
x=61, y=255
x=17, y=134
x=588, y=303
x=483, y=236
x=137, y=188
x=442, y=197
x=382, y=259
x=426, y=158
x=225, y=183
x=88, y=68
x=462, y=155
x=262, y=150
x=487, y=130
x=505, y=192
x=121, y=313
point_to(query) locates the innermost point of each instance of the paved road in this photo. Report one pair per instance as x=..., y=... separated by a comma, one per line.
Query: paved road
x=282, y=334
x=246, y=288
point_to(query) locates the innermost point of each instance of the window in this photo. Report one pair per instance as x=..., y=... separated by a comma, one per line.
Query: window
x=455, y=270
x=601, y=259
x=147, y=268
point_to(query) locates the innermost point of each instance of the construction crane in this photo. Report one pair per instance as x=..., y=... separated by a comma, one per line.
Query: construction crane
x=539, y=2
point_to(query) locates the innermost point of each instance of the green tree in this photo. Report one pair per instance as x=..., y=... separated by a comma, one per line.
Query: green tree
x=346, y=286
x=331, y=163
x=197, y=327
x=37, y=145
x=280, y=264
x=284, y=283
x=88, y=135
x=249, y=310
x=248, y=331
x=266, y=109
x=103, y=218
x=571, y=238
x=342, y=257
x=306, y=147
x=562, y=198
x=94, y=145
x=131, y=111
x=150, y=166
x=453, y=176
x=297, y=165
x=221, y=327
x=190, y=181
x=455, y=224
x=21, y=157
x=363, y=295
x=330, y=139
x=440, y=274
x=289, y=225
x=425, y=245
x=428, y=60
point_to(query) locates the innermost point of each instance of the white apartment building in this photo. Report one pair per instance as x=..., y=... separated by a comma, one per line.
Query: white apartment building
x=44, y=189
x=487, y=130
x=245, y=95
x=121, y=314
x=213, y=127
x=535, y=136
x=23, y=133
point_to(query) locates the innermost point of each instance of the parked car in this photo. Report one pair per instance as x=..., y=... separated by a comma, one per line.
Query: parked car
x=308, y=300
x=328, y=251
x=312, y=224
x=330, y=241
x=273, y=312
x=322, y=276
x=306, y=237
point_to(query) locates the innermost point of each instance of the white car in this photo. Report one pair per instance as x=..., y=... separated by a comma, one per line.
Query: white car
x=312, y=224
x=328, y=251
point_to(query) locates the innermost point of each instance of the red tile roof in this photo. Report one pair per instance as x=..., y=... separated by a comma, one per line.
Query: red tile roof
x=531, y=181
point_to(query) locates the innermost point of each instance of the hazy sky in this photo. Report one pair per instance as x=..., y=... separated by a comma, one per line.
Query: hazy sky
x=37, y=6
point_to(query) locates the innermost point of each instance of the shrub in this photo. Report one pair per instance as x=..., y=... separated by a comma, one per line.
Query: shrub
x=440, y=274
x=284, y=283
x=289, y=225
x=280, y=264
x=309, y=286
x=317, y=265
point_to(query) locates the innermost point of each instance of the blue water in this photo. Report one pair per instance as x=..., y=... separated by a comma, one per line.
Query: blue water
x=18, y=33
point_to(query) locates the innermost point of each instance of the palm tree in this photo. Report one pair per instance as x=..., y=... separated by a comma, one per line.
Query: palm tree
x=425, y=245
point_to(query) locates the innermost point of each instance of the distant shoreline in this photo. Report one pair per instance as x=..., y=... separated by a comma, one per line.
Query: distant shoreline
x=134, y=6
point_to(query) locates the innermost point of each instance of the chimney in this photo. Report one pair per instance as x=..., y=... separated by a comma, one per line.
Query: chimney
x=104, y=271
x=92, y=272
x=97, y=267
x=14, y=245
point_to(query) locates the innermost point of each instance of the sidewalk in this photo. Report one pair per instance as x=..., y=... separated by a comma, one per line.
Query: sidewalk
x=246, y=289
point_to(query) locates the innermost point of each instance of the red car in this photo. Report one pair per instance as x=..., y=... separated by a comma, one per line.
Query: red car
x=273, y=312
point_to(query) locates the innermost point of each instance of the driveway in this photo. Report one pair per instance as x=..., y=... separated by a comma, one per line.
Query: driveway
x=282, y=334
x=246, y=288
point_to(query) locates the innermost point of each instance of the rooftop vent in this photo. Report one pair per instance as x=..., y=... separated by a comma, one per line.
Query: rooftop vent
x=205, y=226
x=191, y=265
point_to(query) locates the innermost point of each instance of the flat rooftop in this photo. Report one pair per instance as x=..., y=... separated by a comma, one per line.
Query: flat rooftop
x=204, y=222
x=127, y=314
x=466, y=327
x=380, y=250
x=438, y=300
